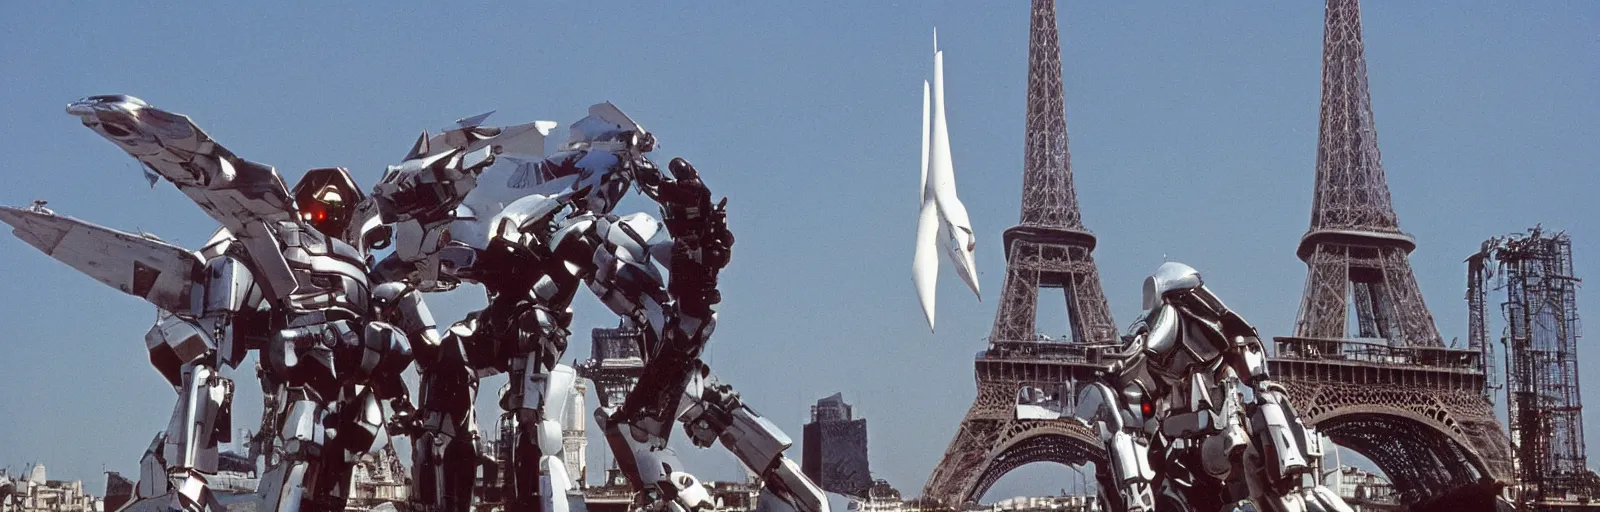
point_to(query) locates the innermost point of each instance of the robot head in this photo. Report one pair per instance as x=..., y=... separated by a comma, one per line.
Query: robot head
x=326, y=199
x=1169, y=277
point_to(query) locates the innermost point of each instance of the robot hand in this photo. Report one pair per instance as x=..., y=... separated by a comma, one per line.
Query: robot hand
x=682, y=493
x=712, y=411
x=691, y=215
x=701, y=242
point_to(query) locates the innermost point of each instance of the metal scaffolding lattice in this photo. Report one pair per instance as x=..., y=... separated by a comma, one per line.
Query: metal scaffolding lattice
x=1543, y=402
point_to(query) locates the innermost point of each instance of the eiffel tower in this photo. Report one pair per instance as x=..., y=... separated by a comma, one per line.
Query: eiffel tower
x=1026, y=382
x=1386, y=386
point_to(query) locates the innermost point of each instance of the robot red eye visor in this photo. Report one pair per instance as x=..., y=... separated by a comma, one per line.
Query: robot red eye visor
x=327, y=199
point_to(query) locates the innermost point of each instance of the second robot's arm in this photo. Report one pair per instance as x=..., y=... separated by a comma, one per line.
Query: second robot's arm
x=1119, y=424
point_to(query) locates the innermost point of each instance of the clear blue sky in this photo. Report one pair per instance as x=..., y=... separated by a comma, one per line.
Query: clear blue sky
x=1193, y=132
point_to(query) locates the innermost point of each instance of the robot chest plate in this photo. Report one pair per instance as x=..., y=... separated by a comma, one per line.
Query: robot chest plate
x=330, y=273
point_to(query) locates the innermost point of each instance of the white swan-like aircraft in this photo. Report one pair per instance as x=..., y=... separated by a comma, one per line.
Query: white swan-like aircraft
x=943, y=219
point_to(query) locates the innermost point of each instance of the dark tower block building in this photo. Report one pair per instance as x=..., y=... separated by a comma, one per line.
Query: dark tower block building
x=834, y=451
x=1026, y=382
x=1366, y=364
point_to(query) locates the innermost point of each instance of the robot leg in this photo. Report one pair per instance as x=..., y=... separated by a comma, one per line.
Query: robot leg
x=712, y=410
x=538, y=403
x=444, y=450
x=289, y=486
x=356, y=431
x=174, y=470
x=654, y=470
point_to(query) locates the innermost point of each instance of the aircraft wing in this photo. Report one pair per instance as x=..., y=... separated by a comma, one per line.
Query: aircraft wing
x=925, y=259
x=138, y=265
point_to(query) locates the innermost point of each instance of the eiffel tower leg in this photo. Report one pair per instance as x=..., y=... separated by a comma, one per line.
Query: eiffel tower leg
x=964, y=461
x=1323, y=309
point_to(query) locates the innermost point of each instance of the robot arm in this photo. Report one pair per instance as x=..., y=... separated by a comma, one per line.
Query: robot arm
x=700, y=249
x=209, y=332
x=404, y=325
x=712, y=410
x=702, y=243
x=1287, y=445
x=1119, y=426
x=187, y=349
x=1288, y=449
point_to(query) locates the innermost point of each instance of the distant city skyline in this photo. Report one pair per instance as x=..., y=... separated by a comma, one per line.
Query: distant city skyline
x=1193, y=135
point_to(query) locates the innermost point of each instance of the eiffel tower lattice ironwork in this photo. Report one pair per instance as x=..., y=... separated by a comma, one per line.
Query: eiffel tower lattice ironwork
x=1385, y=386
x=1026, y=381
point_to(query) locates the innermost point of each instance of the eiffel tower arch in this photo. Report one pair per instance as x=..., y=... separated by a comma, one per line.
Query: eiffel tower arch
x=1386, y=386
x=1027, y=383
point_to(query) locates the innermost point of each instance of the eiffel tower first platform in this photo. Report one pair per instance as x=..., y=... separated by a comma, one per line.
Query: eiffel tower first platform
x=1386, y=386
x=1025, y=382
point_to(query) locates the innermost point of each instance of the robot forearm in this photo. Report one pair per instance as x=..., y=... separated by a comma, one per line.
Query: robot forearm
x=713, y=411
x=698, y=227
x=226, y=292
x=1288, y=446
x=1127, y=445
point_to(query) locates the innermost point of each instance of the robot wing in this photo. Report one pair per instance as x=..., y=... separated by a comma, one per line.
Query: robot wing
x=138, y=265
x=244, y=196
x=604, y=122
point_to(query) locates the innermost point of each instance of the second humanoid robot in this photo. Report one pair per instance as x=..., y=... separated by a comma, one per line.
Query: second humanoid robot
x=533, y=258
x=1178, y=432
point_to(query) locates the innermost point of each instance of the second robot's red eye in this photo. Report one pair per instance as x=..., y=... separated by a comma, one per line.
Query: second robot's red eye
x=1146, y=408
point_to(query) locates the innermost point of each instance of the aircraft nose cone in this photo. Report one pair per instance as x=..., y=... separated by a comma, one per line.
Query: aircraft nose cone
x=81, y=108
x=113, y=102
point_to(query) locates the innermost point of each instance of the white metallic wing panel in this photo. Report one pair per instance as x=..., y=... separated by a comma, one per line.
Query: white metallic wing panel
x=137, y=265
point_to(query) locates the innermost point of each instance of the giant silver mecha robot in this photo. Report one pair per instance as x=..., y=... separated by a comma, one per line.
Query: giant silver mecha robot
x=1179, y=432
x=286, y=275
x=532, y=258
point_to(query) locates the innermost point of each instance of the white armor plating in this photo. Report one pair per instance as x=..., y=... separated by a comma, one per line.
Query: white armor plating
x=942, y=220
x=1180, y=403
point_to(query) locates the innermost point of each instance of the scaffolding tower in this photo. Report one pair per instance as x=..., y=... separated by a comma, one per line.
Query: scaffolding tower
x=1543, y=404
x=1479, y=271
